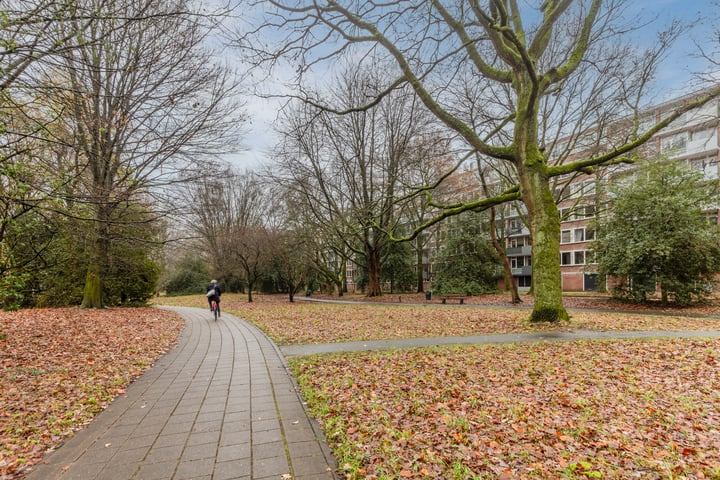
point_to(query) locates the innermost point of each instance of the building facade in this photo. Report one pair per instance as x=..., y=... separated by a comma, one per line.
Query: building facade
x=693, y=139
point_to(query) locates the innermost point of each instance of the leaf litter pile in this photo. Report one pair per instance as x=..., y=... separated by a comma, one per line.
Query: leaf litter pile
x=60, y=367
x=628, y=409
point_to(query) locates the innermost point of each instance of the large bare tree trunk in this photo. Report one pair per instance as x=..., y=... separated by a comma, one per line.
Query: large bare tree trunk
x=92, y=296
x=93, y=293
x=545, y=231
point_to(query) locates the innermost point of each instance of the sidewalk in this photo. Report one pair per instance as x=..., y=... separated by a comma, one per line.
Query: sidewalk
x=219, y=406
x=322, y=348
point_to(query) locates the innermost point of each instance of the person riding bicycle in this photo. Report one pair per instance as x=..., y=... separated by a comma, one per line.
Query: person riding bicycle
x=213, y=293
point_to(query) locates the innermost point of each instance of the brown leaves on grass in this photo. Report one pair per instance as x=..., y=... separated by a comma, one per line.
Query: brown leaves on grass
x=601, y=409
x=60, y=367
x=610, y=409
x=307, y=322
x=325, y=323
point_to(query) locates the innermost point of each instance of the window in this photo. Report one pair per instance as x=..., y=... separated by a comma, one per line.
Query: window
x=707, y=166
x=590, y=257
x=516, y=242
x=646, y=123
x=675, y=144
x=579, y=257
x=702, y=135
x=520, y=262
x=564, y=214
x=565, y=258
x=576, y=235
x=525, y=281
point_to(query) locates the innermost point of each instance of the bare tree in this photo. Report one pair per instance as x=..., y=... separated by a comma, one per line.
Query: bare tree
x=28, y=41
x=525, y=61
x=145, y=110
x=29, y=30
x=229, y=216
x=323, y=251
x=289, y=266
x=430, y=160
x=349, y=169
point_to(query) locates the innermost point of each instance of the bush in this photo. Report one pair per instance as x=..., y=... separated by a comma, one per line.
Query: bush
x=189, y=277
x=467, y=263
x=11, y=291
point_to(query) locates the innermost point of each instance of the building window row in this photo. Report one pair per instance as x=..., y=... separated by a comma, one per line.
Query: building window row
x=674, y=144
x=517, y=242
x=574, y=190
x=581, y=212
x=520, y=262
x=577, y=257
x=576, y=235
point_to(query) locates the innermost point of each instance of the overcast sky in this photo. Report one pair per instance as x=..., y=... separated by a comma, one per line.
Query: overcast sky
x=674, y=79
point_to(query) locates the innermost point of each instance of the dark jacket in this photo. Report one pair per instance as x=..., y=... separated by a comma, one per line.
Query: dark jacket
x=218, y=291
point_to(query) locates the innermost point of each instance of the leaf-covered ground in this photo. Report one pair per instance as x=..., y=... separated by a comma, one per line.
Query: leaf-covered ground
x=307, y=322
x=609, y=409
x=60, y=367
x=603, y=409
x=645, y=409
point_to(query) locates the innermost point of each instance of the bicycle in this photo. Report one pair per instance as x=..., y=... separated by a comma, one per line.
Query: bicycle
x=215, y=309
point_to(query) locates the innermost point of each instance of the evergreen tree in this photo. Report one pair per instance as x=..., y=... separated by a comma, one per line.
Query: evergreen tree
x=467, y=263
x=397, y=267
x=657, y=235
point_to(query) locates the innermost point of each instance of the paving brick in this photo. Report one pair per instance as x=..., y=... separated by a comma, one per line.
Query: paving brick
x=163, y=454
x=232, y=469
x=156, y=471
x=234, y=452
x=194, y=469
x=199, y=452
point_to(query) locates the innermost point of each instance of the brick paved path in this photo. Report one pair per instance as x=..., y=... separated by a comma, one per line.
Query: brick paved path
x=219, y=406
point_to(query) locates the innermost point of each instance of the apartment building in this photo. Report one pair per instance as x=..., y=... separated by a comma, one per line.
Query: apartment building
x=693, y=138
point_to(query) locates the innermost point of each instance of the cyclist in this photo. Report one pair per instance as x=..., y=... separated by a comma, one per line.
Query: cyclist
x=213, y=292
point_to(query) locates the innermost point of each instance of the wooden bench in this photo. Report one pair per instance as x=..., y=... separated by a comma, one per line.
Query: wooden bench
x=453, y=297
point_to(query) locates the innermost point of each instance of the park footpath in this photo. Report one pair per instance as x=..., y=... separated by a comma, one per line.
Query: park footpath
x=221, y=405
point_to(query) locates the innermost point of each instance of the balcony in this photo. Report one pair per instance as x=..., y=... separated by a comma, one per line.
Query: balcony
x=522, y=271
x=518, y=251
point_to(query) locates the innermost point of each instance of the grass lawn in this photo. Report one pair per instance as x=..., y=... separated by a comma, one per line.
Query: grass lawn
x=647, y=409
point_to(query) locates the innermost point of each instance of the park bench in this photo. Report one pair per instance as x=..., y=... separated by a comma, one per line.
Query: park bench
x=453, y=297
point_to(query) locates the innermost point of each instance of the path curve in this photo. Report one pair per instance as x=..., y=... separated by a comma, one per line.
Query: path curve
x=221, y=405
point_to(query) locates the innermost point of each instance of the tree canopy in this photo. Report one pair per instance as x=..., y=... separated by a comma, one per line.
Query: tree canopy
x=106, y=106
x=656, y=234
x=545, y=92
